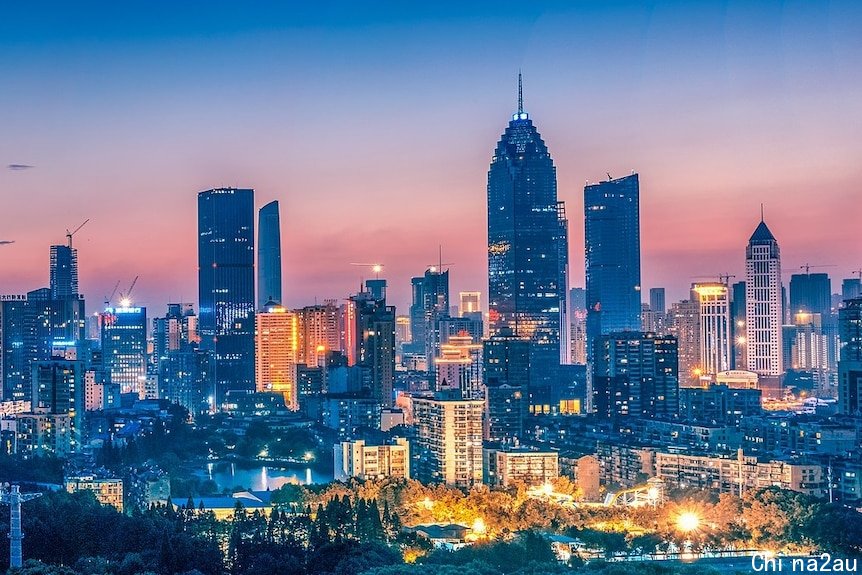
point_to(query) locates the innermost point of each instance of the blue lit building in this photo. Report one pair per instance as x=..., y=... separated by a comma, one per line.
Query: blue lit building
x=613, y=258
x=268, y=255
x=226, y=286
x=528, y=250
x=124, y=348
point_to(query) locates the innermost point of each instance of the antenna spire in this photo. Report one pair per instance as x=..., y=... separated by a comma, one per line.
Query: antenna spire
x=761, y=212
x=520, y=94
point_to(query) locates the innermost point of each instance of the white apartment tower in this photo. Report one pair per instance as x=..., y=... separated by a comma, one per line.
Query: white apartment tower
x=714, y=320
x=763, y=311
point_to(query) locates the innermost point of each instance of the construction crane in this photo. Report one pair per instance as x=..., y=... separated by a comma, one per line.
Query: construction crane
x=807, y=267
x=12, y=496
x=722, y=278
x=377, y=268
x=440, y=263
x=72, y=233
x=858, y=274
x=110, y=298
x=126, y=297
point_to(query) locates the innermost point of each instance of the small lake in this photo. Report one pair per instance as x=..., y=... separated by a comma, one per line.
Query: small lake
x=261, y=477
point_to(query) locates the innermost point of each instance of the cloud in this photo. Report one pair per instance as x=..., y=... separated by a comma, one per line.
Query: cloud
x=6, y=242
x=20, y=166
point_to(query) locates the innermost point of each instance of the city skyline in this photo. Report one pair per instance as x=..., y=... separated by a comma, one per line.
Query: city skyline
x=729, y=137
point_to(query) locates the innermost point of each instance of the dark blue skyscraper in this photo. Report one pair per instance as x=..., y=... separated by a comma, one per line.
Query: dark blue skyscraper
x=268, y=255
x=613, y=257
x=527, y=249
x=226, y=286
x=64, y=272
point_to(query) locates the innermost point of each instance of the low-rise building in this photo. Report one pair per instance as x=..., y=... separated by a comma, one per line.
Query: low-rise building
x=356, y=459
x=505, y=465
x=108, y=490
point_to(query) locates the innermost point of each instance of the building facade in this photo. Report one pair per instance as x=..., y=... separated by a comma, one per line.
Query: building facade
x=763, y=303
x=269, y=283
x=226, y=294
x=448, y=440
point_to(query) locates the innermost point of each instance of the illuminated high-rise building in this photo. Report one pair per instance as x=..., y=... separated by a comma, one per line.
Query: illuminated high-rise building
x=578, y=325
x=683, y=323
x=64, y=272
x=430, y=305
x=369, y=341
x=469, y=303
x=268, y=255
x=448, y=440
x=715, y=328
x=636, y=375
x=319, y=332
x=459, y=366
x=58, y=389
x=178, y=328
x=226, y=286
x=763, y=303
x=528, y=249
x=613, y=262
x=276, y=352
x=124, y=348
x=850, y=357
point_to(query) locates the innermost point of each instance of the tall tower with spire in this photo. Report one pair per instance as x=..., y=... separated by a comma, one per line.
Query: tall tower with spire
x=527, y=250
x=763, y=307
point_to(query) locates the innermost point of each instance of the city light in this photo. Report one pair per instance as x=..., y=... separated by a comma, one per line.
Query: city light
x=688, y=521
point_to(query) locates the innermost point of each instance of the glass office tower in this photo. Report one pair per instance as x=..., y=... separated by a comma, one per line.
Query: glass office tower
x=268, y=256
x=528, y=251
x=226, y=286
x=613, y=262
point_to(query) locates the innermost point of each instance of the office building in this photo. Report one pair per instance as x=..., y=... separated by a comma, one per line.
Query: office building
x=850, y=357
x=459, y=366
x=737, y=318
x=715, y=328
x=448, y=441
x=177, y=329
x=578, y=326
x=64, y=272
x=528, y=250
x=430, y=305
x=718, y=404
x=763, y=303
x=851, y=288
x=613, y=271
x=269, y=281
x=469, y=302
x=683, y=323
x=657, y=300
x=124, y=348
x=371, y=341
x=58, y=389
x=226, y=292
x=276, y=351
x=635, y=374
x=372, y=462
x=32, y=328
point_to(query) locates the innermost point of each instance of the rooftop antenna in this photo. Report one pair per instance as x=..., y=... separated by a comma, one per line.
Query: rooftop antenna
x=520, y=94
x=761, y=212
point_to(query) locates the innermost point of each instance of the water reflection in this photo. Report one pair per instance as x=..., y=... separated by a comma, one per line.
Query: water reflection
x=261, y=478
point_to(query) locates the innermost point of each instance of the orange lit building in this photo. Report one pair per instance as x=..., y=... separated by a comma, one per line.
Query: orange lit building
x=319, y=332
x=276, y=352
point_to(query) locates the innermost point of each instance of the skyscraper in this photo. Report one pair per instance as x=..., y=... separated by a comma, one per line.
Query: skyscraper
x=319, y=332
x=613, y=262
x=763, y=309
x=268, y=255
x=657, y=300
x=469, y=303
x=58, y=389
x=226, y=285
x=124, y=348
x=714, y=318
x=435, y=306
x=276, y=352
x=810, y=293
x=64, y=272
x=850, y=362
x=528, y=248
x=370, y=341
